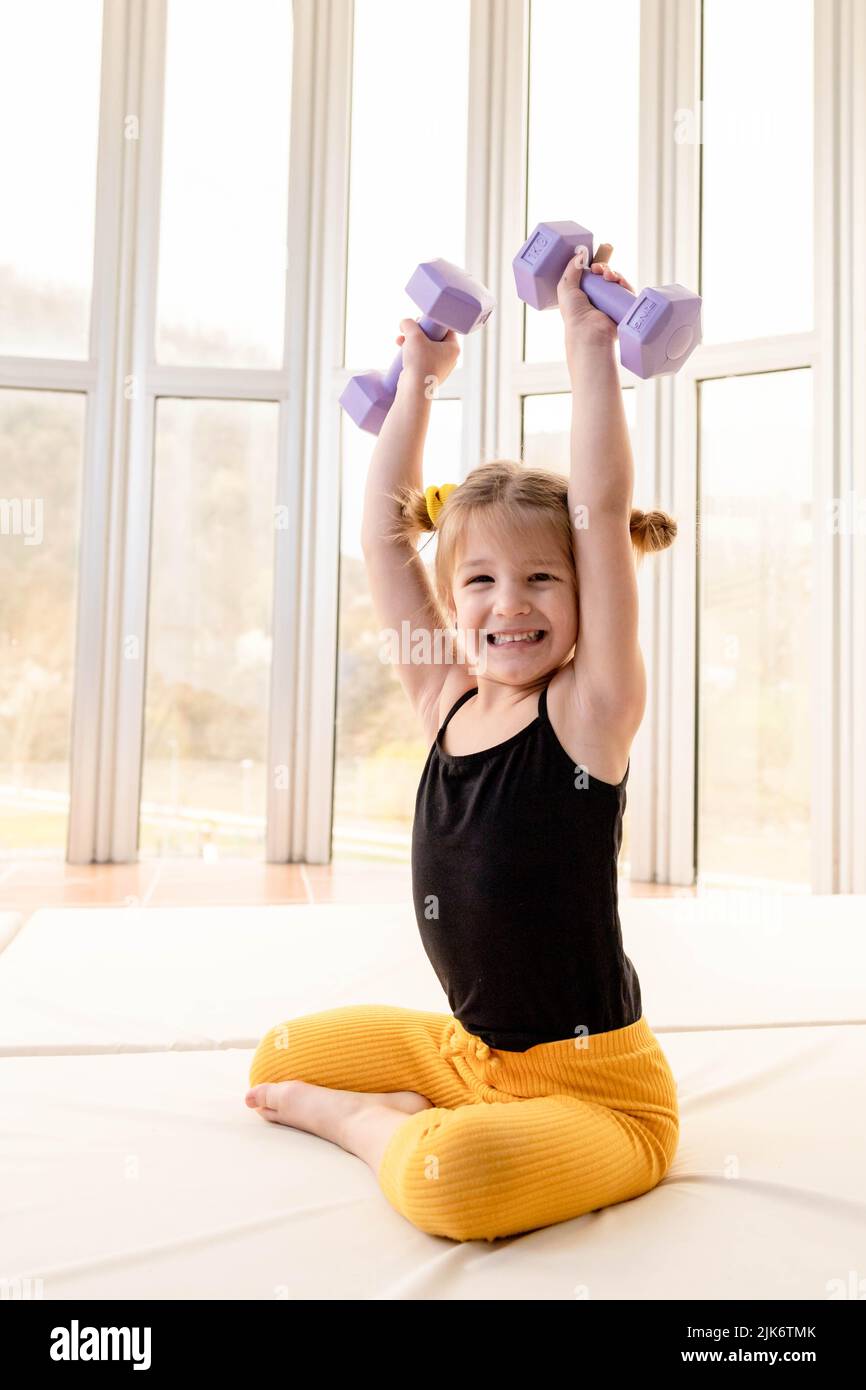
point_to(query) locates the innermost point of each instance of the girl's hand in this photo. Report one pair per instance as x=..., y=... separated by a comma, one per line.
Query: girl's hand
x=582, y=320
x=425, y=359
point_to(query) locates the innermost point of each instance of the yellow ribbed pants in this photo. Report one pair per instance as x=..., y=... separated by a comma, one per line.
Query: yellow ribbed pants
x=516, y=1140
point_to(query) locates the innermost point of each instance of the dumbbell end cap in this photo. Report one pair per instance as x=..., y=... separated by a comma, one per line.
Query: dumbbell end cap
x=661, y=332
x=449, y=295
x=679, y=342
x=541, y=261
x=366, y=401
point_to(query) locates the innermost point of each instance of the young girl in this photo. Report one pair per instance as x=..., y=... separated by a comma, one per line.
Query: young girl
x=544, y=1094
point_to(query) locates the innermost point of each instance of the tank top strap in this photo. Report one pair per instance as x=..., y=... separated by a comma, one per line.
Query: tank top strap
x=455, y=707
x=542, y=704
x=544, y=718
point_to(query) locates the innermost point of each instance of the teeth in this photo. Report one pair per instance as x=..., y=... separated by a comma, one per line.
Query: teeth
x=500, y=640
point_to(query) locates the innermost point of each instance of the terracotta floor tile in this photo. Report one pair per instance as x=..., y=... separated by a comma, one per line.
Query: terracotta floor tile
x=32, y=886
x=26, y=887
x=180, y=883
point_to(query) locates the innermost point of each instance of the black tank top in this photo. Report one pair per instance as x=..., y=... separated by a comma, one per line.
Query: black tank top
x=514, y=877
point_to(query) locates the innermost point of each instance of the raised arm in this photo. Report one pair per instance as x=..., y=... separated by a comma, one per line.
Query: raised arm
x=610, y=678
x=398, y=580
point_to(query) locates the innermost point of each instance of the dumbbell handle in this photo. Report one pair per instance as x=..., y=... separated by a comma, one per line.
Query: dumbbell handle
x=435, y=331
x=608, y=296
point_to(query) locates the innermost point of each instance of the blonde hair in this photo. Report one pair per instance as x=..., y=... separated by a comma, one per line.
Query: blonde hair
x=522, y=498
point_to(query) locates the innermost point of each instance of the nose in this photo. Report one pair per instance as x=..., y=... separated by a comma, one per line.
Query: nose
x=511, y=601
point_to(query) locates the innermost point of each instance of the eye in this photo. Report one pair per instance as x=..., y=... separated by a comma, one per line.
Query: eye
x=486, y=578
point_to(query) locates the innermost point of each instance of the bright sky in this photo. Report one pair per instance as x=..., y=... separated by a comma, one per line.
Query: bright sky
x=49, y=100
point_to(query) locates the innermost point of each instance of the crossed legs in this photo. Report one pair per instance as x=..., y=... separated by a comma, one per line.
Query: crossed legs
x=351, y=1075
x=470, y=1152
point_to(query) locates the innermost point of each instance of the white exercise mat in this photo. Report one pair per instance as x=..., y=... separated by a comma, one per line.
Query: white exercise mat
x=10, y=923
x=144, y=1176
x=106, y=979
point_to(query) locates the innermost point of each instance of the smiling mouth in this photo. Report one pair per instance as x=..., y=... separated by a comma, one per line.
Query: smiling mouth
x=529, y=639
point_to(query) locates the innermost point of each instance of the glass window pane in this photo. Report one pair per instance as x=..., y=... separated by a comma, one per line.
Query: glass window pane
x=380, y=750
x=755, y=568
x=225, y=191
x=547, y=428
x=204, y=788
x=583, y=136
x=757, y=183
x=547, y=444
x=50, y=62
x=407, y=191
x=41, y=451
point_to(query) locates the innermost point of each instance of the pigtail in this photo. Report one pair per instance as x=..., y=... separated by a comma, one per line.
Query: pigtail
x=651, y=531
x=412, y=517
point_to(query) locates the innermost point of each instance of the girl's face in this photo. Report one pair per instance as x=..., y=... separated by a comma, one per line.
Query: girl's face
x=524, y=586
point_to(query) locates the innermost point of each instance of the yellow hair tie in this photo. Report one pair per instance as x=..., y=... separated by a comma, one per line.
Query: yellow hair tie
x=437, y=497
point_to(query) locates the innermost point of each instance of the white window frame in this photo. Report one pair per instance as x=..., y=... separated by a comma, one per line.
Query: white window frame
x=122, y=380
x=663, y=784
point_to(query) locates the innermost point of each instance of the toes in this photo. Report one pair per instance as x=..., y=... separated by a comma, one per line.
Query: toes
x=257, y=1097
x=270, y=1099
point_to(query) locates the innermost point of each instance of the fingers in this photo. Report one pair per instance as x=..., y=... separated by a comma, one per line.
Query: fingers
x=600, y=260
x=581, y=259
x=410, y=327
x=570, y=278
x=600, y=266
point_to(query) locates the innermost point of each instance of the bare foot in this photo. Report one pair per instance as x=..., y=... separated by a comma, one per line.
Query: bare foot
x=323, y=1110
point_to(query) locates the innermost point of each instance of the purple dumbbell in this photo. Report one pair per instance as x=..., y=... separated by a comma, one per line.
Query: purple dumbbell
x=658, y=329
x=449, y=298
